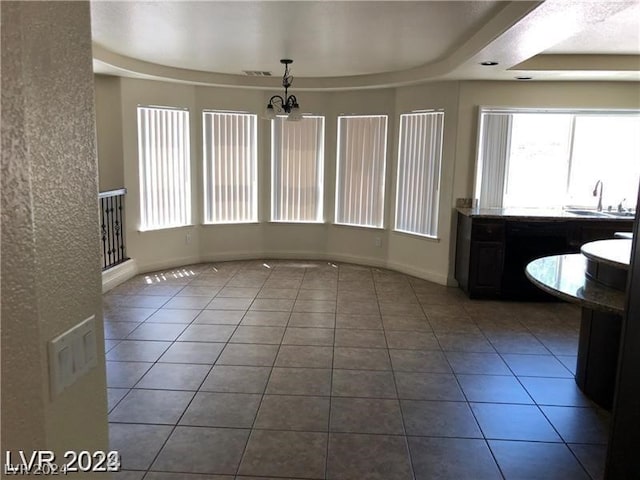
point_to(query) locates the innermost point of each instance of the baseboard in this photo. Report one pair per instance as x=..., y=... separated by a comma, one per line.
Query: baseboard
x=452, y=282
x=304, y=255
x=428, y=275
x=356, y=259
x=169, y=263
x=119, y=274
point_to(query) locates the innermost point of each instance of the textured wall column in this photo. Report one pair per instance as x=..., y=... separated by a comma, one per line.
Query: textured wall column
x=50, y=241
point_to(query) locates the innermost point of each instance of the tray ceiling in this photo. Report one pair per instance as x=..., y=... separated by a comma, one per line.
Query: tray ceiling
x=358, y=44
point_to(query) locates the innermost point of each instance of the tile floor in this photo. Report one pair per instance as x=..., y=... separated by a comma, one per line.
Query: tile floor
x=291, y=369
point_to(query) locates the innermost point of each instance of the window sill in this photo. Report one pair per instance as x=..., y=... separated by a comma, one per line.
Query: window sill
x=418, y=235
x=221, y=224
x=162, y=229
x=289, y=222
x=347, y=225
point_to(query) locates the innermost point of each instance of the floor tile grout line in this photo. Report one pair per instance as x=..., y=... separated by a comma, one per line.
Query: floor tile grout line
x=565, y=442
x=395, y=386
x=483, y=332
x=374, y=434
x=557, y=432
x=333, y=359
x=468, y=404
x=183, y=412
x=537, y=405
x=264, y=390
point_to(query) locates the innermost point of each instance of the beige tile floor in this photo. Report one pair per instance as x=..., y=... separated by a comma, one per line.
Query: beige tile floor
x=305, y=369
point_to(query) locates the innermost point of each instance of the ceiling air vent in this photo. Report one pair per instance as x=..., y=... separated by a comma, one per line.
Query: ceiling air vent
x=256, y=73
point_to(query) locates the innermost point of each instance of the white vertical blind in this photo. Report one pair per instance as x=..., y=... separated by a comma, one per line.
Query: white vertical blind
x=418, y=181
x=362, y=148
x=493, y=151
x=230, y=167
x=297, y=169
x=164, y=167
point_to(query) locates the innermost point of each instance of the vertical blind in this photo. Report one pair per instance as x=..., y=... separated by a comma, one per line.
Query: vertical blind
x=164, y=167
x=418, y=181
x=230, y=167
x=493, y=151
x=297, y=164
x=362, y=147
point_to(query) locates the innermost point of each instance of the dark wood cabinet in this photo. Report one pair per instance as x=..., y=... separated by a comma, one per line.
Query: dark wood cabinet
x=480, y=256
x=492, y=252
x=486, y=267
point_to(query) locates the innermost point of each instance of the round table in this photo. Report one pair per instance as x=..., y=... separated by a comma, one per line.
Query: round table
x=595, y=280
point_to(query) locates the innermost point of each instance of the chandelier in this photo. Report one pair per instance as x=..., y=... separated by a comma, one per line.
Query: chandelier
x=284, y=104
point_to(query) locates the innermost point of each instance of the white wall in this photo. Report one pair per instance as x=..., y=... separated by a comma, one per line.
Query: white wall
x=160, y=249
x=109, y=124
x=163, y=247
x=427, y=258
x=50, y=239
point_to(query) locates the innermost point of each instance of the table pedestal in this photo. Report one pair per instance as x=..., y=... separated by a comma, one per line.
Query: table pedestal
x=598, y=355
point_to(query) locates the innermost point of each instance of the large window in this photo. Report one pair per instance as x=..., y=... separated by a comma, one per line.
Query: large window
x=554, y=158
x=297, y=164
x=229, y=167
x=418, y=180
x=164, y=167
x=362, y=147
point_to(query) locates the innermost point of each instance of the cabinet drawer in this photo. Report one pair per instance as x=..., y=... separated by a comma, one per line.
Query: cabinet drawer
x=493, y=231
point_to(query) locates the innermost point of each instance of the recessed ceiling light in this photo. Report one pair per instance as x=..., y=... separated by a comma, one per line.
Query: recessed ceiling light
x=488, y=63
x=524, y=78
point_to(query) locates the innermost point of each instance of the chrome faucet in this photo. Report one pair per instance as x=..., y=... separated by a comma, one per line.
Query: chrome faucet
x=595, y=194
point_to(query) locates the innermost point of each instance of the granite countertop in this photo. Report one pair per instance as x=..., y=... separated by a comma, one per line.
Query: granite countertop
x=616, y=253
x=546, y=214
x=628, y=235
x=564, y=276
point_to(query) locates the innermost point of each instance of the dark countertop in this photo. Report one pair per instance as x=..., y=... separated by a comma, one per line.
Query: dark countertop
x=616, y=253
x=564, y=276
x=539, y=214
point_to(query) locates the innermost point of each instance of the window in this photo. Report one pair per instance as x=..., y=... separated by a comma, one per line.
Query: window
x=606, y=148
x=362, y=148
x=164, y=167
x=230, y=167
x=553, y=158
x=418, y=181
x=297, y=163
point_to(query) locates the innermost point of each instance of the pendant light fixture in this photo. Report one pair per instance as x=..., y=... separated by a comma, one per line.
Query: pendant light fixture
x=284, y=104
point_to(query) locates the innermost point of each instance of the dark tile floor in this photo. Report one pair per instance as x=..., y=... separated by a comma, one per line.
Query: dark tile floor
x=291, y=369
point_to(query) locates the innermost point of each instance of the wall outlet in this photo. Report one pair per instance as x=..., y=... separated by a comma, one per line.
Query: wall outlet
x=71, y=355
x=187, y=238
x=377, y=242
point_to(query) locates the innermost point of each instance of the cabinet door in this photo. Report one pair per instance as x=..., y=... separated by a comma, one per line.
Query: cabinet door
x=487, y=260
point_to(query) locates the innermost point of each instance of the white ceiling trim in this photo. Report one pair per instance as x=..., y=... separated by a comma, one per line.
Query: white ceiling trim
x=512, y=13
x=548, y=24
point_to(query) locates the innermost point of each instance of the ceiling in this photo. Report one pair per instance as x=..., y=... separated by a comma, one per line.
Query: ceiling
x=366, y=44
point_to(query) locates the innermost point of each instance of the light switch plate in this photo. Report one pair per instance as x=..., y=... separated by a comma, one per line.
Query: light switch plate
x=71, y=355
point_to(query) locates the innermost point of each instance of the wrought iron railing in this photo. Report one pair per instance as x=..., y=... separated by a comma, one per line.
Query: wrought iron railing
x=112, y=227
